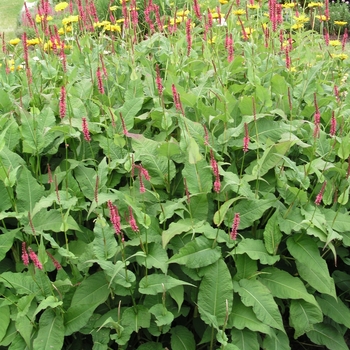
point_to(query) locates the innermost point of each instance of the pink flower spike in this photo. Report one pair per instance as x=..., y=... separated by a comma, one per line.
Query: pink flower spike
x=86, y=132
x=132, y=221
x=114, y=216
x=320, y=195
x=35, y=259
x=246, y=138
x=55, y=262
x=25, y=257
x=235, y=225
x=63, y=102
x=333, y=125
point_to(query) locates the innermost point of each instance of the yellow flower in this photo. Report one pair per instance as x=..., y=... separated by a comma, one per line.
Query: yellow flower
x=298, y=26
x=301, y=19
x=112, y=28
x=15, y=41
x=341, y=56
x=289, y=5
x=12, y=68
x=239, y=12
x=101, y=24
x=113, y=8
x=292, y=69
x=322, y=17
x=223, y=2
x=70, y=19
x=340, y=23
x=177, y=20
x=61, y=31
x=120, y=20
x=215, y=15
x=249, y=30
x=33, y=42
x=121, y=1
x=61, y=6
x=212, y=40
x=334, y=42
x=182, y=13
x=39, y=18
x=253, y=6
x=315, y=4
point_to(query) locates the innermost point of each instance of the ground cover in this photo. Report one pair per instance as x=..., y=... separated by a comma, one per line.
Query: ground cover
x=9, y=12
x=175, y=176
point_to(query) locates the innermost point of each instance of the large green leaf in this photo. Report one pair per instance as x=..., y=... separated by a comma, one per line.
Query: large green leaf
x=255, y=294
x=136, y=317
x=197, y=253
x=246, y=267
x=158, y=283
x=256, y=250
x=20, y=282
x=90, y=293
x=51, y=331
x=156, y=257
x=272, y=235
x=182, y=339
x=198, y=176
x=250, y=211
x=311, y=267
x=285, y=286
x=325, y=334
x=6, y=241
x=104, y=244
x=303, y=315
x=245, y=339
x=244, y=317
x=278, y=341
x=28, y=191
x=335, y=309
x=4, y=320
x=215, y=296
x=85, y=178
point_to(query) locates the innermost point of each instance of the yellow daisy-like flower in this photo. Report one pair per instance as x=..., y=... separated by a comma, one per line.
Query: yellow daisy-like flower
x=239, y=12
x=101, y=24
x=212, y=40
x=334, y=42
x=292, y=69
x=113, y=8
x=301, y=19
x=70, y=19
x=253, y=6
x=249, y=30
x=121, y=1
x=340, y=23
x=15, y=41
x=215, y=15
x=177, y=20
x=61, y=6
x=322, y=17
x=112, y=28
x=182, y=13
x=61, y=31
x=341, y=56
x=39, y=19
x=289, y=5
x=315, y=4
x=120, y=20
x=298, y=26
x=223, y=2
x=33, y=42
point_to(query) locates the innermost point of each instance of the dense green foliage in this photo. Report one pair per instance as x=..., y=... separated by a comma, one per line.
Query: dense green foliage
x=184, y=186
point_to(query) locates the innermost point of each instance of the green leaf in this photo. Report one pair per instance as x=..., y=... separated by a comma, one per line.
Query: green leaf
x=278, y=341
x=151, y=346
x=244, y=317
x=4, y=320
x=28, y=191
x=251, y=210
x=197, y=253
x=90, y=293
x=194, y=156
x=272, y=235
x=255, y=294
x=85, y=176
x=311, y=267
x=156, y=257
x=163, y=316
x=302, y=316
x=158, y=283
x=136, y=317
x=335, y=309
x=182, y=339
x=245, y=339
x=104, y=244
x=220, y=215
x=325, y=334
x=50, y=301
x=51, y=331
x=129, y=110
x=284, y=286
x=20, y=282
x=256, y=250
x=215, y=296
x=246, y=267
x=198, y=176
x=177, y=293
x=6, y=241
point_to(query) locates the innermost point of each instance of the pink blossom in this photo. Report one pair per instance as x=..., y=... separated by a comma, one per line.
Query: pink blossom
x=132, y=221
x=99, y=81
x=159, y=81
x=63, y=102
x=246, y=138
x=234, y=228
x=188, y=36
x=55, y=262
x=197, y=10
x=86, y=132
x=333, y=125
x=320, y=195
x=114, y=216
x=49, y=181
x=25, y=257
x=229, y=47
x=35, y=259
